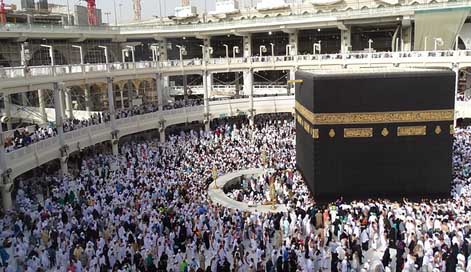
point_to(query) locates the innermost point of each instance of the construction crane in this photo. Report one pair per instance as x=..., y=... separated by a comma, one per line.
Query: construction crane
x=91, y=6
x=3, y=13
x=137, y=10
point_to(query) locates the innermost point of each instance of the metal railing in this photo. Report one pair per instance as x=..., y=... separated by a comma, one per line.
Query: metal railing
x=198, y=89
x=416, y=57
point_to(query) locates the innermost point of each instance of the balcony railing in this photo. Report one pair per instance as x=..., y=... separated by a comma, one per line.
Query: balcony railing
x=23, y=159
x=231, y=89
x=415, y=57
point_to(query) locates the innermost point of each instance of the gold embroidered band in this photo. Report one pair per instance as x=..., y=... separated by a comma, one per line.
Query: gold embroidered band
x=374, y=117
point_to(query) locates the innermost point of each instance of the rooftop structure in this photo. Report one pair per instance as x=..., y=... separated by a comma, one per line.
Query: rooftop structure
x=272, y=5
x=225, y=7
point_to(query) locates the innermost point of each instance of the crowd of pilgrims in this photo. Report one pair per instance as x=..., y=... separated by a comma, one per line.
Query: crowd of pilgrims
x=23, y=137
x=464, y=96
x=148, y=210
x=256, y=190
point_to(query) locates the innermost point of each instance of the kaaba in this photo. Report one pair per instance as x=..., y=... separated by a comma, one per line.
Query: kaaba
x=375, y=134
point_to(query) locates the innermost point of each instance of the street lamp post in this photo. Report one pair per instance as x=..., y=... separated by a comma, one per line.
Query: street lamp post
x=124, y=52
x=68, y=13
x=203, y=51
x=154, y=48
x=263, y=49
x=207, y=51
x=182, y=52
x=51, y=52
x=370, y=42
x=115, y=13
x=235, y=51
x=106, y=53
x=160, y=11
x=25, y=55
x=316, y=47
x=120, y=11
x=437, y=42
x=288, y=50
x=227, y=50
x=205, y=11
x=132, y=49
x=80, y=52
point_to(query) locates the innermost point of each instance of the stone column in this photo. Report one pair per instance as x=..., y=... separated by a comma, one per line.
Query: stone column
x=130, y=93
x=206, y=44
x=456, y=69
x=406, y=44
x=160, y=92
x=346, y=40
x=114, y=135
x=185, y=89
x=162, y=131
x=163, y=50
x=68, y=103
x=293, y=42
x=207, y=81
x=7, y=184
x=162, y=135
x=87, y=99
x=207, y=86
x=165, y=90
x=7, y=201
x=42, y=105
x=58, y=112
x=64, y=165
x=121, y=95
x=63, y=101
x=247, y=40
x=58, y=107
x=7, y=102
x=115, y=147
x=292, y=76
x=248, y=90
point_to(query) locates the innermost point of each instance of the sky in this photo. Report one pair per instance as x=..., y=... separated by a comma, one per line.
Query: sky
x=149, y=7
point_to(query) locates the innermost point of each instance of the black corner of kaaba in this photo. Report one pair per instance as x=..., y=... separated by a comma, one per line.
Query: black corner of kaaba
x=376, y=134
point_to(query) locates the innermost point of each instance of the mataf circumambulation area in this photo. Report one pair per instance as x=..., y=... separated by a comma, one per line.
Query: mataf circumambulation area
x=376, y=133
x=219, y=189
x=235, y=136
